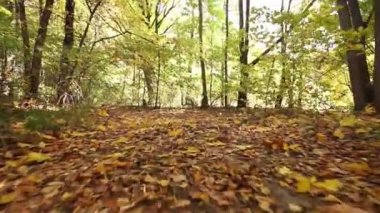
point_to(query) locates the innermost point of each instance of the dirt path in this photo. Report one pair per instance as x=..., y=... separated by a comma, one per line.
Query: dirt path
x=195, y=161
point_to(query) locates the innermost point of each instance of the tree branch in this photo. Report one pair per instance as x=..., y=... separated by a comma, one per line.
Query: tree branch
x=271, y=47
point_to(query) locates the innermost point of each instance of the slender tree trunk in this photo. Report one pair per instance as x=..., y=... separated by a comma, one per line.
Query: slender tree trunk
x=284, y=73
x=244, y=51
x=38, y=48
x=359, y=76
x=158, y=79
x=68, y=42
x=148, y=77
x=21, y=14
x=225, y=86
x=204, y=103
x=376, y=77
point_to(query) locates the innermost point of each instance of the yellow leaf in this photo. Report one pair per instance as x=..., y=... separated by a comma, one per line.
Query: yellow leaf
x=7, y=198
x=349, y=121
x=192, y=149
x=332, y=185
x=216, y=143
x=175, y=133
x=200, y=196
x=24, y=145
x=60, y=121
x=321, y=137
x=121, y=140
x=103, y=113
x=293, y=207
x=284, y=171
x=33, y=157
x=67, y=196
x=369, y=110
x=339, y=134
x=164, y=183
x=179, y=178
x=100, y=167
x=182, y=203
x=361, y=168
x=101, y=128
x=12, y=163
x=303, y=184
x=150, y=179
x=295, y=147
x=243, y=147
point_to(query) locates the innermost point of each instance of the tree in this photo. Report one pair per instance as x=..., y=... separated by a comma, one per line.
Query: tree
x=225, y=82
x=376, y=77
x=350, y=19
x=38, y=48
x=21, y=15
x=244, y=51
x=204, y=103
x=68, y=42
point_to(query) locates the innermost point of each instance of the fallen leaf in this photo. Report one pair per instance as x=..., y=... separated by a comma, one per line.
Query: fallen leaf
x=349, y=121
x=295, y=208
x=7, y=198
x=33, y=157
x=179, y=178
x=164, y=183
x=340, y=208
x=200, y=196
x=101, y=128
x=360, y=168
x=103, y=113
x=321, y=137
x=339, y=133
x=303, y=184
x=284, y=171
x=181, y=203
x=264, y=203
x=216, y=143
x=175, y=133
x=332, y=185
x=192, y=149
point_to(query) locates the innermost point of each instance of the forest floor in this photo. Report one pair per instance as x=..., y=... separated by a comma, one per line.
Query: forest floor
x=187, y=160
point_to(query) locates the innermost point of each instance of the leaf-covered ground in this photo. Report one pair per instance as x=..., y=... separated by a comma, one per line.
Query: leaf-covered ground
x=125, y=160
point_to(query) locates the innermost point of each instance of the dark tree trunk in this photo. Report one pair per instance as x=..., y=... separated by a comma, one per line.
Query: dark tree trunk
x=148, y=77
x=38, y=48
x=244, y=51
x=225, y=84
x=357, y=65
x=20, y=13
x=376, y=77
x=204, y=103
x=68, y=42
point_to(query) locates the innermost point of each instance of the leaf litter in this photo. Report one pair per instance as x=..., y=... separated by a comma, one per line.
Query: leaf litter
x=129, y=160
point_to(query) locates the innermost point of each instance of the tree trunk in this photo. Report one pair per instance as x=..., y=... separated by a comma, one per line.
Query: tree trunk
x=204, y=103
x=284, y=72
x=376, y=77
x=38, y=48
x=244, y=51
x=225, y=84
x=356, y=60
x=148, y=77
x=20, y=13
x=68, y=42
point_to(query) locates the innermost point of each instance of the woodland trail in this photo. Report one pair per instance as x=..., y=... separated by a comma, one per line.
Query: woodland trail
x=197, y=161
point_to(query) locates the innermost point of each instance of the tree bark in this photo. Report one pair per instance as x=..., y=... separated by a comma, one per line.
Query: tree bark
x=376, y=77
x=359, y=76
x=21, y=14
x=204, y=103
x=244, y=51
x=284, y=73
x=68, y=42
x=38, y=48
x=225, y=83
